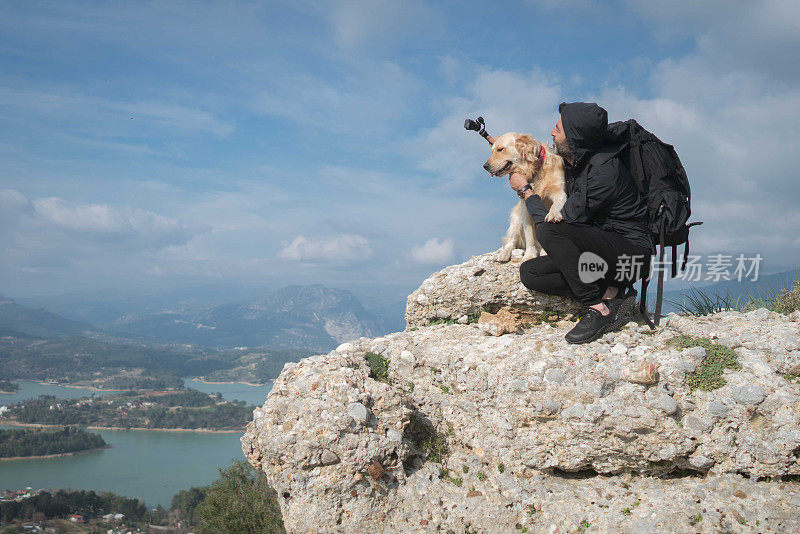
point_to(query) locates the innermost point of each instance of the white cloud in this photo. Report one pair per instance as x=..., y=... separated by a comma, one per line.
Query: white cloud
x=43, y=222
x=105, y=220
x=345, y=247
x=733, y=36
x=434, y=251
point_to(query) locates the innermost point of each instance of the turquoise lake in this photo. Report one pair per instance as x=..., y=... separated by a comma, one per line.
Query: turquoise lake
x=149, y=465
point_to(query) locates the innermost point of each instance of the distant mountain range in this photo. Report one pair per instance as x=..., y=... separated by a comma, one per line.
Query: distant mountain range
x=314, y=317
x=103, y=307
x=20, y=320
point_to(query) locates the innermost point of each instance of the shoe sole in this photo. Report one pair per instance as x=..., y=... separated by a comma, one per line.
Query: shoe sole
x=624, y=308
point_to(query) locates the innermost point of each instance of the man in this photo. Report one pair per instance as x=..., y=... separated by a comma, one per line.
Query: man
x=604, y=215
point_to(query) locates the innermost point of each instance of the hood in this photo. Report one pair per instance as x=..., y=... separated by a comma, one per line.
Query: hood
x=585, y=126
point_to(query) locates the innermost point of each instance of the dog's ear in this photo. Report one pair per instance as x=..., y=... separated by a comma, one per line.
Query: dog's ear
x=527, y=147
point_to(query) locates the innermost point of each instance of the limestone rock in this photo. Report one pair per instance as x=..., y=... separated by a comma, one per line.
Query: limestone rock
x=358, y=412
x=329, y=458
x=749, y=394
x=505, y=321
x=376, y=470
x=644, y=372
x=480, y=433
x=481, y=283
x=667, y=404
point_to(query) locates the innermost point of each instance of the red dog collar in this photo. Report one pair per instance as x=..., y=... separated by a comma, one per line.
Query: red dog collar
x=540, y=162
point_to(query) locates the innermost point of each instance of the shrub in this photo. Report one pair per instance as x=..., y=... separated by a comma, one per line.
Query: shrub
x=240, y=502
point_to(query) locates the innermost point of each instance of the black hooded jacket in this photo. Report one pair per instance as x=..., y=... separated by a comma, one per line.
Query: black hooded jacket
x=600, y=190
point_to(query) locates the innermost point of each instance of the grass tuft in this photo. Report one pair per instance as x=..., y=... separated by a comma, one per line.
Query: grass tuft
x=708, y=375
x=432, y=443
x=784, y=300
x=378, y=367
x=699, y=302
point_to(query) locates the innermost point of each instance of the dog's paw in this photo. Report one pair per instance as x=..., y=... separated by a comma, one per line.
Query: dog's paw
x=553, y=216
x=530, y=254
x=504, y=255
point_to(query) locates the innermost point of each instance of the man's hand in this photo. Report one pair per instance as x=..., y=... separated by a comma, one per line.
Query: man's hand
x=517, y=181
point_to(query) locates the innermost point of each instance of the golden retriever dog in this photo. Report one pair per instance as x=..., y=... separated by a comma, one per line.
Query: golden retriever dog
x=513, y=152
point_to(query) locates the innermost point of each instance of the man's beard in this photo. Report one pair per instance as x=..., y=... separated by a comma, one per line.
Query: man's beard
x=561, y=148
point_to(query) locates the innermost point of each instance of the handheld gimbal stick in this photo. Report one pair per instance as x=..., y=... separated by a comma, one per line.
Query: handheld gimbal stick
x=479, y=126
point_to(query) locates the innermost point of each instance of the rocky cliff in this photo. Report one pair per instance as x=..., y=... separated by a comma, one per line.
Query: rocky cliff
x=450, y=427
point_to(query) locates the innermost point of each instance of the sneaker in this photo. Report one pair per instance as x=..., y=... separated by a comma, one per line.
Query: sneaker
x=591, y=326
x=621, y=304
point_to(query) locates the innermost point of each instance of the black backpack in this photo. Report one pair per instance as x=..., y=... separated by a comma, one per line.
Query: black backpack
x=663, y=184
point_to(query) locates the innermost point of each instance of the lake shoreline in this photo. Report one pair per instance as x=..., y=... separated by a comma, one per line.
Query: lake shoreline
x=45, y=383
x=11, y=422
x=204, y=381
x=56, y=455
x=192, y=378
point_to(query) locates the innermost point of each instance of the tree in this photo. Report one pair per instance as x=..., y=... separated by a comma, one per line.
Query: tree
x=240, y=501
x=185, y=503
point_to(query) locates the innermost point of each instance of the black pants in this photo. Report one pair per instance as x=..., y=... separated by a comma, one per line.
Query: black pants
x=558, y=273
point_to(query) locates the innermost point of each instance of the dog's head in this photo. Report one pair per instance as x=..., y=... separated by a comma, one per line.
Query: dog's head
x=513, y=152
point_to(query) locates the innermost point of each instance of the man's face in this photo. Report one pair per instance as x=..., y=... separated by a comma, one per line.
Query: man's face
x=560, y=140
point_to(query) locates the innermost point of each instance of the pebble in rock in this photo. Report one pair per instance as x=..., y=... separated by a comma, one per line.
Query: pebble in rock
x=556, y=375
x=644, y=372
x=701, y=462
x=408, y=358
x=358, y=412
x=749, y=394
x=619, y=349
x=329, y=458
x=717, y=409
x=667, y=404
x=761, y=313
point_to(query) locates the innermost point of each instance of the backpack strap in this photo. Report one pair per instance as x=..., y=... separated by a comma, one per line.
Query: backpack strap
x=643, y=298
x=675, y=260
x=636, y=160
x=660, y=287
x=685, y=254
x=686, y=246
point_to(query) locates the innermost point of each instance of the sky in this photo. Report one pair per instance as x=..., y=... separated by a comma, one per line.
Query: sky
x=147, y=146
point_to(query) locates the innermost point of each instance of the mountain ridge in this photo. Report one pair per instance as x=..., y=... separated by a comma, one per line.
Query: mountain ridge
x=39, y=322
x=312, y=316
